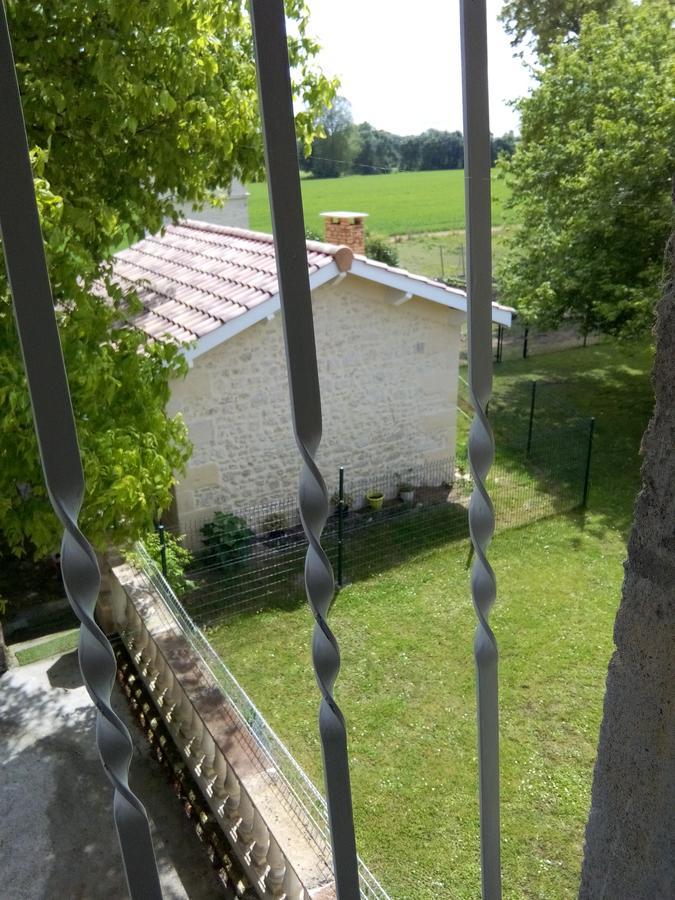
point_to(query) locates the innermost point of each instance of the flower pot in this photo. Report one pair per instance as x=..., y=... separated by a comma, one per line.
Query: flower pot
x=407, y=496
x=375, y=499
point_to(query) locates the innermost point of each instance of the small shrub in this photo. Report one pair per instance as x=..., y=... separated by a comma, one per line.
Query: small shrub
x=347, y=499
x=274, y=524
x=227, y=539
x=178, y=559
x=380, y=249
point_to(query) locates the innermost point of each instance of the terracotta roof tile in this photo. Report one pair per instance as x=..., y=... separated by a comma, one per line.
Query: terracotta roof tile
x=196, y=276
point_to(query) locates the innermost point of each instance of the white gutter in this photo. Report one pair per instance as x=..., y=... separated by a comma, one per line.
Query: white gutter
x=409, y=287
x=446, y=296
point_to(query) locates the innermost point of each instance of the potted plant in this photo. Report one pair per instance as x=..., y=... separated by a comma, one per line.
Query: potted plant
x=406, y=491
x=375, y=499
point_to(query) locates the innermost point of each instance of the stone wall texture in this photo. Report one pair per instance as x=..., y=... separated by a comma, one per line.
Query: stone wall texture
x=389, y=387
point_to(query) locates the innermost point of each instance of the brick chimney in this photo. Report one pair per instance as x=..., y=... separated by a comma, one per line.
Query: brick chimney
x=345, y=228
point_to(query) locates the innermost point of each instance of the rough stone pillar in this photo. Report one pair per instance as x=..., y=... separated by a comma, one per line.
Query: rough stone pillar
x=630, y=835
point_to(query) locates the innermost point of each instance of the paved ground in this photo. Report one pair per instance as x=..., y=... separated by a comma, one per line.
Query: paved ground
x=57, y=838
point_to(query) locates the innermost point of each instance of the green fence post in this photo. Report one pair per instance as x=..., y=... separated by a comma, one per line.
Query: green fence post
x=341, y=525
x=587, y=473
x=529, y=429
x=500, y=341
x=525, y=336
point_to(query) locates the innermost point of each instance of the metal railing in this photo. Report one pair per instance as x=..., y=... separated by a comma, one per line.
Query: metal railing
x=26, y=265
x=291, y=784
x=56, y=434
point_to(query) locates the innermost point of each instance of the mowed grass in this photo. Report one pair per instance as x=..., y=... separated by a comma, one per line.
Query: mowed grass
x=398, y=203
x=62, y=643
x=407, y=680
x=443, y=255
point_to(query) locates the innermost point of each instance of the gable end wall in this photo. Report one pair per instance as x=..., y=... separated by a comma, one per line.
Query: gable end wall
x=389, y=389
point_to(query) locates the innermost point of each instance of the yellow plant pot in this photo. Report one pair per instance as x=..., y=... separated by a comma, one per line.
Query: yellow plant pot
x=375, y=499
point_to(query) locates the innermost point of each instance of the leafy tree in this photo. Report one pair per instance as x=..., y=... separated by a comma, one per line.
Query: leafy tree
x=590, y=178
x=370, y=151
x=333, y=154
x=379, y=248
x=378, y=151
x=410, y=154
x=543, y=23
x=441, y=150
x=132, y=107
x=502, y=146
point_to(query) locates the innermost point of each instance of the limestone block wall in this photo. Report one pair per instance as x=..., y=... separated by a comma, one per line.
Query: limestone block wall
x=389, y=389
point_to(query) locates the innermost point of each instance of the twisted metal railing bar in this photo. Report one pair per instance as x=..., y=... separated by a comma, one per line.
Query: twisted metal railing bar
x=59, y=452
x=295, y=789
x=274, y=85
x=481, y=441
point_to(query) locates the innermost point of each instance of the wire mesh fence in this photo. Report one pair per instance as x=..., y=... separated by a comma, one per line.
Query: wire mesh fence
x=521, y=342
x=284, y=777
x=247, y=559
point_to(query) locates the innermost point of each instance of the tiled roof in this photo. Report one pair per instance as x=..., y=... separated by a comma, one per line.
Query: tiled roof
x=197, y=276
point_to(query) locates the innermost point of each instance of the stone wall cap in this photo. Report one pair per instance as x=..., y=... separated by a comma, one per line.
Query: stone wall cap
x=343, y=214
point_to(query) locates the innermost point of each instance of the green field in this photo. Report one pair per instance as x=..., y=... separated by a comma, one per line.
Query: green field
x=407, y=680
x=399, y=203
x=442, y=255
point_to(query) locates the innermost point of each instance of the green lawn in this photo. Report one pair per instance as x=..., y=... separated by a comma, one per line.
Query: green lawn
x=399, y=203
x=442, y=255
x=407, y=681
x=62, y=643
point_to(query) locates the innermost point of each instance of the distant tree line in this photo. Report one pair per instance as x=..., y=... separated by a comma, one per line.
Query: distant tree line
x=349, y=149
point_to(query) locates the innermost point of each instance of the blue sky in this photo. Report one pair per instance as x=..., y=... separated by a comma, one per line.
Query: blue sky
x=399, y=62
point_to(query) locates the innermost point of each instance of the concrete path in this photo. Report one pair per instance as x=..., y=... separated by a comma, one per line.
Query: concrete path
x=57, y=838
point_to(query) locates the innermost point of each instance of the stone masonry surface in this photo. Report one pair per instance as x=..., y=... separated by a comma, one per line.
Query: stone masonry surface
x=389, y=383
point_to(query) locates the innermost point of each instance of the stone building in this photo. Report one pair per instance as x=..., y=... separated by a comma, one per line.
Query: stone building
x=388, y=350
x=232, y=212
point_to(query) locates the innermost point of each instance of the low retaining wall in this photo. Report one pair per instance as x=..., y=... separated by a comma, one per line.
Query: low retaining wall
x=278, y=851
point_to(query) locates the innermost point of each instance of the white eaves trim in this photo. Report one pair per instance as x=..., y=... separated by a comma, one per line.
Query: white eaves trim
x=266, y=310
x=450, y=297
x=406, y=285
